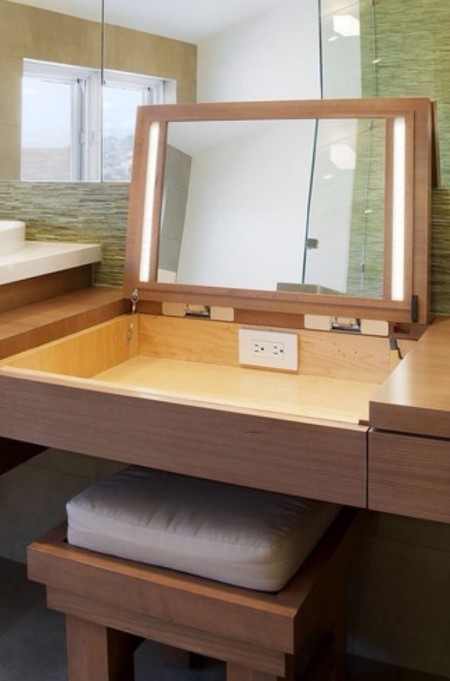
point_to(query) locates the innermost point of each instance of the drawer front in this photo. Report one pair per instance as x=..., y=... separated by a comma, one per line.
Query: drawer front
x=409, y=475
x=322, y=461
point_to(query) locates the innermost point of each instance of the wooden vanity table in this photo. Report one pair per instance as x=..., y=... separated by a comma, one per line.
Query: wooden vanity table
x=215, y=419
x=152, y=376
x=168, y=392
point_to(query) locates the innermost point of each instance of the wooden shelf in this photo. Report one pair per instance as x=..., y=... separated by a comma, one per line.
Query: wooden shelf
x=40, y=322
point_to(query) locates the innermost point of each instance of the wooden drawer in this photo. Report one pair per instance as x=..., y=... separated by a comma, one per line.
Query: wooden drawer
x=108, y=392
x=409, y=475
x=322, y=461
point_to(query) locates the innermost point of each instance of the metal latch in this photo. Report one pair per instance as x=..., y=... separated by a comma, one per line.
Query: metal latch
x=134, y=299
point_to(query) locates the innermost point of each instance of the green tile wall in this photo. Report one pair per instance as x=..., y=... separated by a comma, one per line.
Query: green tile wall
x=413, y=53
x=440, y=252
x=80, y=212
x=409, y=41
x=97, y=213
x=412, y=48
x=366, y=249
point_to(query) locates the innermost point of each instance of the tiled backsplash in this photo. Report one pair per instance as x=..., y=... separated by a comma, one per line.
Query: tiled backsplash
x=440, y=252
x=95, y=212
x=80, y=212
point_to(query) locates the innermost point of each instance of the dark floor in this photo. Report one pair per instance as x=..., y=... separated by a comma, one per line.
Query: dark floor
x=32, y=646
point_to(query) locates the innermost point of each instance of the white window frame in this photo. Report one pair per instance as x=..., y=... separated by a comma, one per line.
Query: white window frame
x=154, y=89
x=86, y=143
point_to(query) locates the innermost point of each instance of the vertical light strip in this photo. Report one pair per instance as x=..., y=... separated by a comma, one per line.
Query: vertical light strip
x=398, y=211
x=149, y=202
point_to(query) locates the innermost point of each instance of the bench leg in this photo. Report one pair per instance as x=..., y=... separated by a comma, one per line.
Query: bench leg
x=97, y=653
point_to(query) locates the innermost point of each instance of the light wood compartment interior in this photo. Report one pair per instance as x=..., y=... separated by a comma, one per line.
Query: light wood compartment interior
x=197, y=360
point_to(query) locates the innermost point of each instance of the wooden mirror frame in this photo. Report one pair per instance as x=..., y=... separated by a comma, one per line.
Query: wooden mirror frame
x=418, y=116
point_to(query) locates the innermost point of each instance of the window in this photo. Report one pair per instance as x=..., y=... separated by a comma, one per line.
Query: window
x=75, y=129
x=121, y=95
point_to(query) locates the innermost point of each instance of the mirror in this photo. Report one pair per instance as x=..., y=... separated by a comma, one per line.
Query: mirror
x=237, y=183
x=245, y=50
x=37, y=32
x=275, y=201
x=77, y=70
x=241, y=209
x=345, y=231
x=222, y=51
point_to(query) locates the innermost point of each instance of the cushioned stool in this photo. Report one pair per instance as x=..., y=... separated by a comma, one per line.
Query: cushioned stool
x=254, y=578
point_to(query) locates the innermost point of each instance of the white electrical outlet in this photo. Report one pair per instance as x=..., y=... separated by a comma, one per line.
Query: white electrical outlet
x=271, y=349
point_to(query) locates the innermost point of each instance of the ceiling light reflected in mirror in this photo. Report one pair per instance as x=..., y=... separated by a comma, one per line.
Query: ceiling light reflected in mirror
x=346, y=25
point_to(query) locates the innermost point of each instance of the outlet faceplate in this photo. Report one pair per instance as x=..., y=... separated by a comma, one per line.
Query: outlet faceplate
x=271, y=349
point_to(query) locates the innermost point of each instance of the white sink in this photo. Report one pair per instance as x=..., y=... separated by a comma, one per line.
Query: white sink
x=12, y=236
x=43, y=257
x=21, y=259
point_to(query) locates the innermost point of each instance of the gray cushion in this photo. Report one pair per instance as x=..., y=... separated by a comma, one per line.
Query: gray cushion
x=246, y=537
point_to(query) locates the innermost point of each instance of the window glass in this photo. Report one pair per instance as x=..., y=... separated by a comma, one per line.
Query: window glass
x=46, y=130
x=119, y=118
x=76, y=128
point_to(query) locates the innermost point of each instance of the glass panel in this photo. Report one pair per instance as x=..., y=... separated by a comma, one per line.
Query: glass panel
x=46, y=149
x=234, y=213
x=349, y=59
x=344, y=249
x=39, y=30
x=240, y=209
x=119, y=119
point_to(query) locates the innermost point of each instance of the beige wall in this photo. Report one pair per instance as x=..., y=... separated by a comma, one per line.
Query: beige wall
x=28, y=32
x=137, y=52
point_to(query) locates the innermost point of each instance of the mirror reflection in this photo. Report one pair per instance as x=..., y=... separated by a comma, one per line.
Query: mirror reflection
x=284, y=156
x=345, y=240
x=74, y=84
x=275, y=205
x=221, y=51
x=31, y=35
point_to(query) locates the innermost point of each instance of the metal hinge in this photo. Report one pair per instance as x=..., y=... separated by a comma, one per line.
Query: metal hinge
x=346, y=324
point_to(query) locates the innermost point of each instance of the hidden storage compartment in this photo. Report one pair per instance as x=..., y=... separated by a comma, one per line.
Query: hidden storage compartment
x=198, y=360
x=168, y=393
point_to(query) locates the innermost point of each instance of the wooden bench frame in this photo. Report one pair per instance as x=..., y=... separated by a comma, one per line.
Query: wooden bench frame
x=112, y=604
